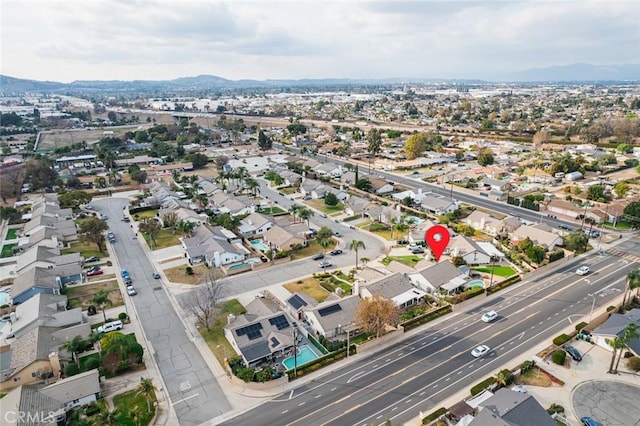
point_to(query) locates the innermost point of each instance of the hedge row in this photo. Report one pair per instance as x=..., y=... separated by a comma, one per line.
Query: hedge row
x=318, y=363
x=561, y=339
x=559, y=254
x=134, y=210
x=504, y=284
x=580, y=325
x=476, y=389
x=435, y=415
x=461, y=297
x=423, y=319
x=317, y=344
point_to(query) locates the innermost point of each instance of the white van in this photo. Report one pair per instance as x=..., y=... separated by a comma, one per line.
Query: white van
x=110, y=326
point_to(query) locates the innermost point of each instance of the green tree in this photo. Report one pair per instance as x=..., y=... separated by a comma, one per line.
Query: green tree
x=264, y=142
x=186, y=227
x=92, y=231
x=101, y=300
x=485, y=157
x=633, y=283
x=198, y=160
x=40, y=172
x=74, y=345
x=151, y=227
x=375, y=141
x=73, y=182
x=294, y=210
x=330, y=199
x=325, y=237
x=576, y=241
x=633, y=210
x=305, y=214
x=621, y=189
x=630, y=332
x=624, y=148
x=139, y=176
x=148, y=390
x=536, y=254
x=596, y=192
x=297, y=129
x=356, y=245
x=415, y=145
x=400, y=225
x=73, y=199
x=363, y=185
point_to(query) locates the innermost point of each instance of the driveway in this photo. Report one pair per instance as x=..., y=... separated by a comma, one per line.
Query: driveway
x=193, y=389
x=609, y=403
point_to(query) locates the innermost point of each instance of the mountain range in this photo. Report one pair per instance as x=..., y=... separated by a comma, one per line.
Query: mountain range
x=557, y=74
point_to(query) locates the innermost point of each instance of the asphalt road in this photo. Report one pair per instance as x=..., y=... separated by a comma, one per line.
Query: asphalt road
x=432, y=365
x=193, y=390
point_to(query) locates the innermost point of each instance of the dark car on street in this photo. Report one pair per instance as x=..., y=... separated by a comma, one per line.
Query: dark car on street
x=335, y=252
x=317, y=256
x=92, y=259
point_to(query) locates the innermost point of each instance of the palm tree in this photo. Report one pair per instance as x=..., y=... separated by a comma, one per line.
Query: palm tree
x=106, y=417
x=101, y=299
x=75, y=346
x=253, y=186
x=294, y=210
x=630, y=332
x=616, y=344
x=186, y=227
x=356, y=245
x=633, y=282
x=364, y=261
x=306, y=214
x=148, y=390
x=503, y=377
x=136, y=414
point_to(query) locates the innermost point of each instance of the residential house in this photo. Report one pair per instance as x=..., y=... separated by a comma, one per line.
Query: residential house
x=494, y=184
x=207, y=188
x=38, y=279
x=35, y=355
x=614, y=327
x=331, y=317
x=439, y=205
x=254, y=224
x=484, y=222
x=296, y=304
x=348, y=178
x=416, y=197
x=355, y=206
x=283, y=238
x=329, y=169
x=564, y=208
x=74, y=391
x=291, y=178
x=65, y=229
x=308, y=185
x=417, y=233
x=396, y=287
x=182, y=212
x=380, y=186
x=468, y=249
x=507, y=407
x=539, y=234
x=443, y=277
x=320, y=191
x=47, y=258
x=260, y=338
x=382, y=214
x=46, y=237
x=573, y=176
x=223, y=202
x=42, y=309
x=214, y=245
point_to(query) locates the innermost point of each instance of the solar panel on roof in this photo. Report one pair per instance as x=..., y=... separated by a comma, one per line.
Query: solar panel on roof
x=253, y=328
x=297, y=302
x=254, y=334
x=280, y=322
x=329, y=310
x=274, y=342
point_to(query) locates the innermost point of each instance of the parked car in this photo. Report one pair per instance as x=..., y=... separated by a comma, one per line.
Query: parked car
x=324, y=264
x=335, y=252
x=323, y=215
x=156, y=275
x=573, y=352
x=565, y=227
x=417, y=250
x=306, y=198
x=519, y=388
x=337, y=234
x=93, y=268
x=124, y=273
x=96, y=272
x=594, y=234
x=127, y=280
x=588, y=421
x=131, y=291
x=110, y=326
x=92, y=259
x=480, y=351
x=126, y=219
x=489, y=316
x=583, y=270
x=317, y=256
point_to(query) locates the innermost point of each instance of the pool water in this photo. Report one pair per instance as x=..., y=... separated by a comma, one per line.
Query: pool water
x=305, y=355
x=260, y=245
x=475, y=283
x=239, y=265
x=4, y=298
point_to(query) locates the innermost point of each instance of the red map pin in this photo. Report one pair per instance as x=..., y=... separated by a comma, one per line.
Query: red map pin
x=438, y=238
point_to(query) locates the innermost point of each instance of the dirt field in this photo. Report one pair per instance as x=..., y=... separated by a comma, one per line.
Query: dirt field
x=59, y=138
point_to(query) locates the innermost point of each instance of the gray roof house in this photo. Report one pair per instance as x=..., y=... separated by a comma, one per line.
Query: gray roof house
x=331, y=317
x=443, y=277
x=510, y=408
x=439, y=205
x=468, y=249
x=255, y=224
x=298, y=302
x=43, y=309
x=33, y=281
x=614, y=326
x=214, y=245
x=396, y=287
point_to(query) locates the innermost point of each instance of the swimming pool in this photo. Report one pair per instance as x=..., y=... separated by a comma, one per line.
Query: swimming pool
x=260, y=245
x=4, y=298
x=475, y=283
x=239, y=265
x=305, y=354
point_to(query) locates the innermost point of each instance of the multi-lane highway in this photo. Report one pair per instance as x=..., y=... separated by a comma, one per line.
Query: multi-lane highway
x=431, y=365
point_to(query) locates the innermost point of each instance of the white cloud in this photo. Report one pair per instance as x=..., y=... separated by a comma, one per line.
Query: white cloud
x=66, y=40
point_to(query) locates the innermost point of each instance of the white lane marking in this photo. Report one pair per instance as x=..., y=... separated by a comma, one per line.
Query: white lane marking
x=184, y=399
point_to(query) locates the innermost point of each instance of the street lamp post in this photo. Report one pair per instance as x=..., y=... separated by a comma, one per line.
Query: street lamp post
x=295, y=349
x=593, y=304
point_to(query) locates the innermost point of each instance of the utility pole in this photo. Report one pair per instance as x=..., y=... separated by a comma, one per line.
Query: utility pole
x=295, y=350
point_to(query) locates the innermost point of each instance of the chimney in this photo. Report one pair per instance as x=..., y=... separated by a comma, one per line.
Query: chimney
x=230, y=318
x=419, y=190
x=356, y=287
x=54, y=359
x=13, y=318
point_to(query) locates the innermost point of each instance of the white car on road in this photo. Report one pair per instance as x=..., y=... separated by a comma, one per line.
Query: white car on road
x=480, y=351
x=489, y=316
x=583, y=270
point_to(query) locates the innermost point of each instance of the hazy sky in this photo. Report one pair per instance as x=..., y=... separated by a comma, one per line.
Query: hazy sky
x=66, y=40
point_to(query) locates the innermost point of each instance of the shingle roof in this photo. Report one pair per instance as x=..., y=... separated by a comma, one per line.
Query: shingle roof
x=391, y=286
x=37, y=276
x=28, y=399
x=440, y=273
x=74, y=387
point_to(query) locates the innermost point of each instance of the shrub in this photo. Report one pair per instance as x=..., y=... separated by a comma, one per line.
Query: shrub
x=561, y=339
x=90, y=364
x=555, y=408
x=122, y=316
x=246, y=374
x=559, y=357
x=71, y=369
x=634, y=363
x=580, y=325
x=189, y=270
x=559, y=254
x=611, y=308
x=92, y=410
x=527, y=365
x=476, y=389
x=431, y=417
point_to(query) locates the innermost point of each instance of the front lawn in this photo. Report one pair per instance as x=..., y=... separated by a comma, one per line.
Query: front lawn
x=501, y=271
x=7, y=250
x=309, y=286
x=12, y=234
x=218, y=344
x=129, y=403
x=622, y=225
x=178, y=274
x=81, y=295
x=288, y=190
x=272, y=210
x=377, y=228
x=409, y=260
x=320, y=205
x=147, y=214
x=534, y=377
x=165, y=238
x=86, y=250
x=312, y=248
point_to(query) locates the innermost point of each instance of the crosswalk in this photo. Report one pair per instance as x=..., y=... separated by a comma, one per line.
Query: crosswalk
x=624, y=255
